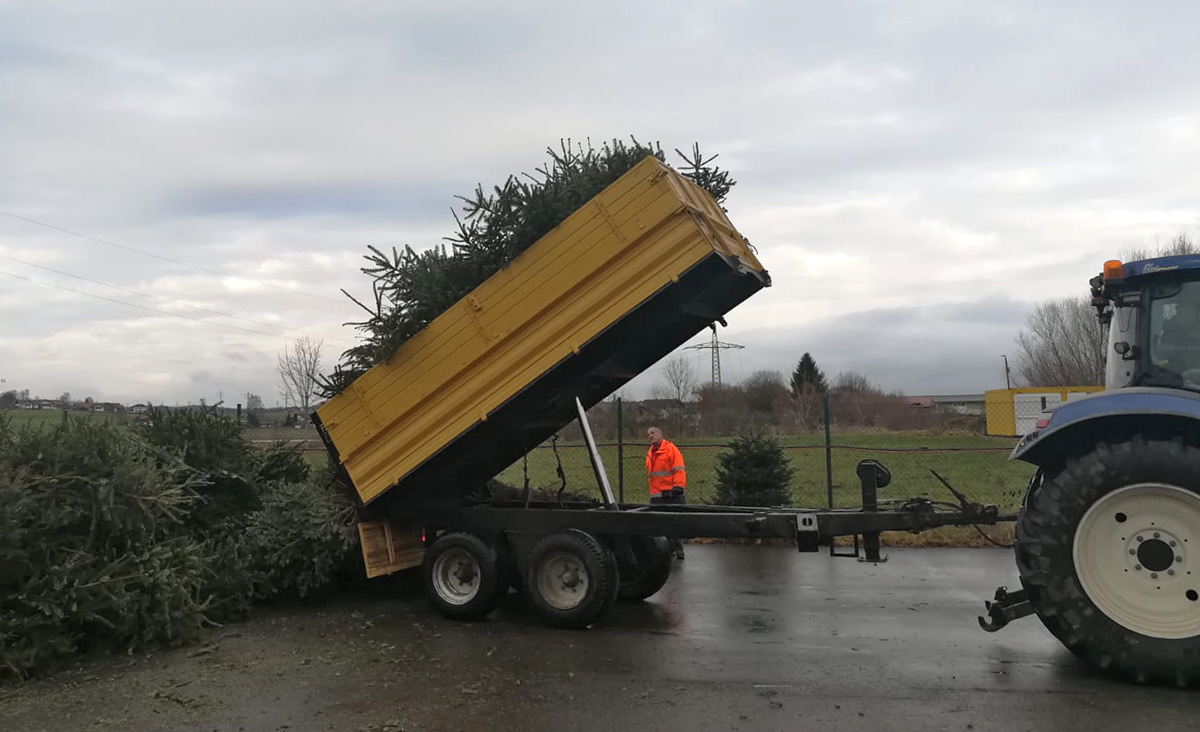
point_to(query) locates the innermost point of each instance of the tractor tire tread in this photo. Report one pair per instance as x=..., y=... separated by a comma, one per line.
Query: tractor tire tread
x=1044, y=555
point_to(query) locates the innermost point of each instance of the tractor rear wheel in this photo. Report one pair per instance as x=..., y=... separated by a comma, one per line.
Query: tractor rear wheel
x=1109, y=551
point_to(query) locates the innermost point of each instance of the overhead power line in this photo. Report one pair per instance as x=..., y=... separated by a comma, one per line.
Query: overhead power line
x=181, y=263
x=139, y=307
x=166, y=299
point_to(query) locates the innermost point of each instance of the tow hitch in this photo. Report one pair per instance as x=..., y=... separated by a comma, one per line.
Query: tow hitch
x=1005, y=608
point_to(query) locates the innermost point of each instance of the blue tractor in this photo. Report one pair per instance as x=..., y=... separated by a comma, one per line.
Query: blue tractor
x=1108, y=535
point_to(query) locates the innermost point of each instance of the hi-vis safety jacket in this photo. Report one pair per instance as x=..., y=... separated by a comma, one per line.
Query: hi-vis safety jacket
x=664, y=465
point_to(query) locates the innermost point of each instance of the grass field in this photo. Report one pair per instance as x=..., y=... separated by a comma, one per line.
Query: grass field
x=280, y=433
x=976, y=465
x=49, y=417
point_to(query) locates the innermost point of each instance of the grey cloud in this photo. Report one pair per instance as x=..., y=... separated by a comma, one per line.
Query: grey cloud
x=279, y=149
x=17, y=55
x=940, y=348
x=309, y=199
x=932, y=349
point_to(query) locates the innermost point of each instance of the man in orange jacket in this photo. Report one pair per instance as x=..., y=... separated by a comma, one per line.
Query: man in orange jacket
x=664, y=468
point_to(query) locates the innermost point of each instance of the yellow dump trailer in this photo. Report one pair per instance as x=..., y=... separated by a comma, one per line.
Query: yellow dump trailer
x=632, y=274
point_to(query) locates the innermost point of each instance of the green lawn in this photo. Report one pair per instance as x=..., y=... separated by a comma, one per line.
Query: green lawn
x=977, y=466
x=49, y=417
x=275, y=434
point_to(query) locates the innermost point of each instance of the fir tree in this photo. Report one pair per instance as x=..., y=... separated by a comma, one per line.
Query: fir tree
x=808, y=378
x=753, y=471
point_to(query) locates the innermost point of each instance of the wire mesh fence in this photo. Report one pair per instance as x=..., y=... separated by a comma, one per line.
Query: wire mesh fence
x=967, y=440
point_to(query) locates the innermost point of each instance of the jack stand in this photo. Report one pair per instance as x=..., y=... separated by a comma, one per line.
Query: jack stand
x=873, y=476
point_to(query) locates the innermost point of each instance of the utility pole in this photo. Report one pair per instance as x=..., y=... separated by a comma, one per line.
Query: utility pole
x=1007, y=382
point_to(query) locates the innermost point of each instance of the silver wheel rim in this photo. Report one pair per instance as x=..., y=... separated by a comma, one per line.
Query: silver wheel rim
x=456, y=576
x=562, y=580
x=1132, y=555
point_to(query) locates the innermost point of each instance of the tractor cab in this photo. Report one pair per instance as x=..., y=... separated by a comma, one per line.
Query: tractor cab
x=1152, y=309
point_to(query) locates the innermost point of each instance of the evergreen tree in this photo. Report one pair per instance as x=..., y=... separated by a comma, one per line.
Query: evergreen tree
x=808, y=377
x=753, y=471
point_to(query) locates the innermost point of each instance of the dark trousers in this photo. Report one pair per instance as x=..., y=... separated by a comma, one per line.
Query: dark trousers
x=675, y=497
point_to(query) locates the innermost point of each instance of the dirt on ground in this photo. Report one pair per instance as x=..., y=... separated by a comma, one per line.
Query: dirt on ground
x=379, y=658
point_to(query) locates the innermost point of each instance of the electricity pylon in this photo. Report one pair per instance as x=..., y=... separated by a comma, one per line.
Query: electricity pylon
x=716, y=346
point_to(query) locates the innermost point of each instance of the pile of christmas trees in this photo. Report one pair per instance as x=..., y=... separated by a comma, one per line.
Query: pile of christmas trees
x=120, y=537
x=412, y=288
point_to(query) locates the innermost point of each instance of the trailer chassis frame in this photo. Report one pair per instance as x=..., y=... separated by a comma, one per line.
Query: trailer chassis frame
x=808, y=528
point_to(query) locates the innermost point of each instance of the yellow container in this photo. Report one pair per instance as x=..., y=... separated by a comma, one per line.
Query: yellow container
x=1014, y=412
x=631, y=275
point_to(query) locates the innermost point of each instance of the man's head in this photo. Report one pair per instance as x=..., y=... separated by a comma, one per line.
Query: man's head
x=655, y=436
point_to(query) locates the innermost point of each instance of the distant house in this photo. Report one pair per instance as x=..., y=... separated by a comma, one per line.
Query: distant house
x=968, y=404
x=655, y=408
x=139, y=409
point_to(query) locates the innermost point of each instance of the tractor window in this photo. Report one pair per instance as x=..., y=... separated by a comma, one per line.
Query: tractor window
x=1175, y=330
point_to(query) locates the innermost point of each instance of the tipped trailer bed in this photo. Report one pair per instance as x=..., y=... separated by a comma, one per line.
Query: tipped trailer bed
x=627, y=278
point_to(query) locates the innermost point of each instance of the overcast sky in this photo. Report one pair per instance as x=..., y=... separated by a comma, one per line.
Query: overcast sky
x=915, y=175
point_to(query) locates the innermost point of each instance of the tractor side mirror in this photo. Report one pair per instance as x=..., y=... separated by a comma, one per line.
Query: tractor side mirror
x=1126, y=351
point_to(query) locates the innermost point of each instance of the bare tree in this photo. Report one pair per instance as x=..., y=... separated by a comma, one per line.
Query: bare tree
x=1180, y=244
x=854, y=382
x=681, y=378
x=1063, y=344
x=680, y=385
x=299, y=368
x=762, y=390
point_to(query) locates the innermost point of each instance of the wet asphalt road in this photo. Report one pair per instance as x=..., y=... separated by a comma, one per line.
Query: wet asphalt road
x=742, y=638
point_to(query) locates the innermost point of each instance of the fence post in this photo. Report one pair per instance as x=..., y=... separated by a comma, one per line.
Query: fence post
x=620, y=456
x=828, y=449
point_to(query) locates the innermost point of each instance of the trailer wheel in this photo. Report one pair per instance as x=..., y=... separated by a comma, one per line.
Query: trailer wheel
x=571, y=579
x=650, y=570
x=1109, y=551
x=463, y=576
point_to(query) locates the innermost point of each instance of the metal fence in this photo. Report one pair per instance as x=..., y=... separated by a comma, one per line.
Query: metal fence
x=823, y=439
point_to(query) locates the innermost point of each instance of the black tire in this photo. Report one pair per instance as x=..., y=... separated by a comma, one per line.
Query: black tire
x=613, y=568
x=510, y=572
x=565, y=604
x=1053, y=515
x=649, y=572
x=463, y=576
